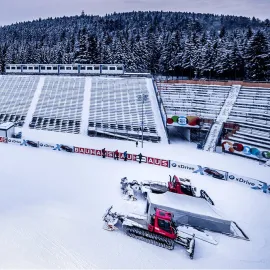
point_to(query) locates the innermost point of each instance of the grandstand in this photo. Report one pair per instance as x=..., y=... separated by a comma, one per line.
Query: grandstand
x=251, y=113
x=16, y=94
x=193, y=100
x=110, y=107
x=60, y=103
x=116, y=111
x=204, y=101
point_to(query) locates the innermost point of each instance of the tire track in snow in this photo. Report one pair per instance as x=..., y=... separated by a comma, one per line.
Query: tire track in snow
x=50, y=251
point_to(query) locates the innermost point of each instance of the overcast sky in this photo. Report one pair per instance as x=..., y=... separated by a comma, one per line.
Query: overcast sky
x=12, y=11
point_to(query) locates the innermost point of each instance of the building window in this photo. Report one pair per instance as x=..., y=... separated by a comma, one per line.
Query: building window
x=18, y=67
x=7, y=67
x=75, y=68
x=89, y=68
x=96, y=68
x=42, y=68
x=105, y=68
x=36, y=68
x=62, y=68
x=82, y=68
x=24, y=67
x=68, y=68
x=49, y=68
x=119, y=68
x=54, y=68
x=30, y=68
x=112, y=68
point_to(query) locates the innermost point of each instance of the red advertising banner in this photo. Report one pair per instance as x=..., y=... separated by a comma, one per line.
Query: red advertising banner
x=87, y=151
x=164, y=163
x=109, y=154
x=3, y=140
x=97, y=152
x=79, y=150
x=131, y=157
x=157, y=161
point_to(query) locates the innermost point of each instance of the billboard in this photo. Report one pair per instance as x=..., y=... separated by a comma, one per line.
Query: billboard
x=245, y=150
x=14, y=141
x=222, y=175
x=183, y=121
x=211, y=172
x=63, y=147
x=30, y=143
x=47, y=145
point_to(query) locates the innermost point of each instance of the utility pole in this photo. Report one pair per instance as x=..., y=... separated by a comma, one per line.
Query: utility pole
x=142, y=98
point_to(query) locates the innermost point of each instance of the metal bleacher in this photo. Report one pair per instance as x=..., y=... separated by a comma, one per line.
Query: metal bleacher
x=251, y=112
x=16, y=94
x=60, y=105
x=204, y=101
x=116, y=111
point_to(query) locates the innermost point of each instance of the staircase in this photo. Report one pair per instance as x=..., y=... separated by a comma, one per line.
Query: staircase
x=34, y=102
x=222, y=118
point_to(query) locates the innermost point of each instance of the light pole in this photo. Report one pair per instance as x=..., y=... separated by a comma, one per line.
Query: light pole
x=142, y=98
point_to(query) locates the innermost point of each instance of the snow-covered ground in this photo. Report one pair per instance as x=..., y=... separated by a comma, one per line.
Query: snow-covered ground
x=52, y=204
x=179, y=150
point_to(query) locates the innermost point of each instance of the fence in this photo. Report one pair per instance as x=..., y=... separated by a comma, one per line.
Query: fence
x=206, y=171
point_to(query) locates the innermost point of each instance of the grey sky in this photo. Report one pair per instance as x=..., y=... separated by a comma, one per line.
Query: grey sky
x=23, y=10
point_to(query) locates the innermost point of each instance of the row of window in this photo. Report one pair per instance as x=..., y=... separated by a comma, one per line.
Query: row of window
x=63, y=68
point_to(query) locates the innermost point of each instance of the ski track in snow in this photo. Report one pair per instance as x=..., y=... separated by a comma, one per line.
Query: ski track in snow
x=49, y=252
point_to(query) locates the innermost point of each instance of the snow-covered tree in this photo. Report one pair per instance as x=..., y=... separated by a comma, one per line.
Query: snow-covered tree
x=175, y=43
x=257, y=58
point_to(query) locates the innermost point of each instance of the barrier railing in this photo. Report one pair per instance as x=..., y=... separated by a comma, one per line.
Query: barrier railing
x=206, y=171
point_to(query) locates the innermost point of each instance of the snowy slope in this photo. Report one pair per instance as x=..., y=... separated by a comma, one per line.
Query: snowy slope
x=52, y=204
x=183, y=151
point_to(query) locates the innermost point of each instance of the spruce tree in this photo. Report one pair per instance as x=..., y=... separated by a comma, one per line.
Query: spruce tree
x=257, y=58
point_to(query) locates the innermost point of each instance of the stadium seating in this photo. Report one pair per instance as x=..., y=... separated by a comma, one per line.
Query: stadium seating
x=115, y=108
x=16, y=94
x=251, y=112
x=203, y=101
x=60, y=104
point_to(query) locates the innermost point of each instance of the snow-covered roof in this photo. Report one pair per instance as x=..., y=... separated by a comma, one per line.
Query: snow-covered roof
x=6, y=126
x=184, y=203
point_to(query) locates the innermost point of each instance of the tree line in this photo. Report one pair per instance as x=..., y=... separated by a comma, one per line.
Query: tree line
x=163, y=43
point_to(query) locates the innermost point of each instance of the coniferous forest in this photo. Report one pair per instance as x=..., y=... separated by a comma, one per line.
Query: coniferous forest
x=163, y=43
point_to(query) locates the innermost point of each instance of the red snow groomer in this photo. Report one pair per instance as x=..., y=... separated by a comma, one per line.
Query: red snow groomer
x=175, y=185
x=160, y=230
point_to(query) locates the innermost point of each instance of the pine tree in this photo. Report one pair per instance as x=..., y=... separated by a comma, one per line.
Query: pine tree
x=257, y=58
x=81, y=54
x=236, y=61
x=92, y=55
